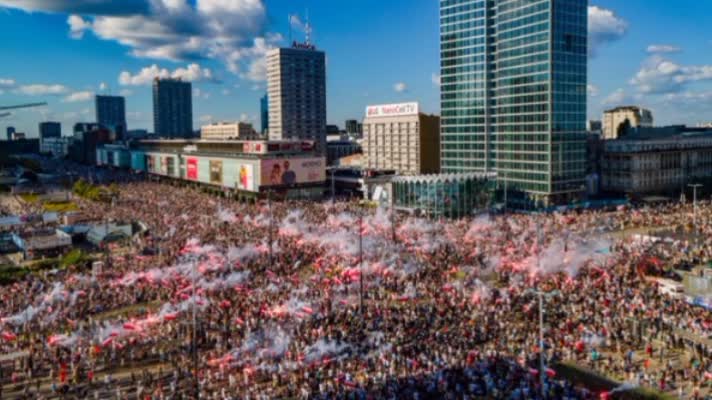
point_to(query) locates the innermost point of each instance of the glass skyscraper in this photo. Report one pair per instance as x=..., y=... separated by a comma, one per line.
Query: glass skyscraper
x=513, y=93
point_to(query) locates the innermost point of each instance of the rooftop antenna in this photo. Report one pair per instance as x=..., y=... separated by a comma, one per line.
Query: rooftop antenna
x=289, y=17
x=307, y=29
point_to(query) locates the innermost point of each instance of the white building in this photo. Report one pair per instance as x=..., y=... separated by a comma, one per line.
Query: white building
x=399, y=137
x=228, y=130
x=296, y=87
x=58, y=147
x=615, y=119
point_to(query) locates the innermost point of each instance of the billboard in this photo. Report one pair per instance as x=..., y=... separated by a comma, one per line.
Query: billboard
x=191, y=171
x=164, y=165
x=291, y=171
x=392, y=110
x=246, y=178
x=150, y=163
x=216, y=174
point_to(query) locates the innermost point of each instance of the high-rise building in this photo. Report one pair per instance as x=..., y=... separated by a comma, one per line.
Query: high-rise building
x=264, y=113
x=353, y=127
x=513, y=98
x=10, y=131
x=111, y=113
x=50, y=130
x=172, y=108
x=399, y=137
x=617, y=120
x=228, y=131
x=296, y=85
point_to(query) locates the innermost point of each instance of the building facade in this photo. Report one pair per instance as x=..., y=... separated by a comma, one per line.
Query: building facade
x=57, y=147
x=353, y=128
x=513, y=93
x=656, y=164
x=264, y=114
x=172, y=108
x=399, y=137
x=296, y=86
x=10, y=131
x=617, y=120
x=49, y=130
x=228, y=131
x=111, y=113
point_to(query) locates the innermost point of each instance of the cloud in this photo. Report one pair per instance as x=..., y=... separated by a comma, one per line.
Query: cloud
x=200, y=94
x=663, y=48
x=604, y=27
x=659, y=75
x=592, y=90
x=244, y=117
x=177, y=30
x=436, y=79
x=125, y=92
x=7, y=83
x=77, y=26
x=616, y=98
x=297, y=24
x=192, y=73
x=400, y=87
x=103, y=86
x=77, y=97
x=206, y=119
x=41, y=89
x=226, y=92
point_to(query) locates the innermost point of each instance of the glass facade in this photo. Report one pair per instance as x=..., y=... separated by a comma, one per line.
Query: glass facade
x=450, y=196
x=513, y=94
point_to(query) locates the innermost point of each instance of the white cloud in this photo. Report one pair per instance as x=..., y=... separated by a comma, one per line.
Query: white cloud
x=103, y=86
x=77, y=26
x=168, y=29
x=225, y=92
x=41, y=89
x=200, y=94
x=616, y=98
x=296, y=23
x=207, y=119
x=77, y=97
x=125, y=92
x=592, y=90
x=400, y=87
x=604, y=27
x=7, y=83
x=192, y=73
x=436, y=79
x=659, y=75
x=244, y=117
x=663, y=48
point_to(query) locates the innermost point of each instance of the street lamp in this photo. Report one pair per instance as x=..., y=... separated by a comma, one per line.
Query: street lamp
x=694, y=201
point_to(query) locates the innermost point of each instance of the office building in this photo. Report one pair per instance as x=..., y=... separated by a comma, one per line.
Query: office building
x=111, y=113
x=172, y=108
x=656, y=160
x=87, y=137
x=57, y=147
x=617, y=120
x=594, y=126
x=264, y=114
x=49, y=129
x=513, y=94
x=296, y=85
x=353, y=128
x=399, y=137
x=228, y=131
x=10, y=131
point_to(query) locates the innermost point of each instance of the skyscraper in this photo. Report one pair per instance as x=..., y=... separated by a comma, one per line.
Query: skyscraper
x=296, y=84
x=10, y=131
x=264, y=113
x=172, y=108
x=50, y=130
x=111, y=113
x=513, y=96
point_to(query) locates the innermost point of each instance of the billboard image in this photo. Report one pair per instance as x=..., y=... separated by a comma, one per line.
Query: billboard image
x=191, y=171
x=216, y=172
x=246, y=177
x=286, y=172
x=150, y=163
x=164, y=165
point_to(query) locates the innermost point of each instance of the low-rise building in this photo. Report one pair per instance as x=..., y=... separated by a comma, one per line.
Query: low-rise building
x=336, y=149
x=656, y=160
x=399, y=137
x=228, y=131
x=617, y=120
x=56, y=147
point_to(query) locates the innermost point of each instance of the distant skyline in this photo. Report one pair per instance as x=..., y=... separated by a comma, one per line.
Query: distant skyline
x=652, y=53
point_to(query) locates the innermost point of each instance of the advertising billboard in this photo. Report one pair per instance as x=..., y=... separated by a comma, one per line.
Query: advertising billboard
x=164, y=165
x=392, y=110
x=246, y=178
x=216, y=174
x=150, y=163
x=291, y=171
x=191, y=171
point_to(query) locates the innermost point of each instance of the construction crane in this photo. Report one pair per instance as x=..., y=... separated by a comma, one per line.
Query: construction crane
x=15, y=107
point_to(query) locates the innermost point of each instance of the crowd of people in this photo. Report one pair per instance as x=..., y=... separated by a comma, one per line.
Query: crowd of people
x=220, y=300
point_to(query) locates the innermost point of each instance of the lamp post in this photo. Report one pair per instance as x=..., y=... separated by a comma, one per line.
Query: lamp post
x=694, y=201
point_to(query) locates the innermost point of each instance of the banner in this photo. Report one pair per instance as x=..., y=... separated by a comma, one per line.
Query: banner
x=246, y=178
x=191, y=171
x=287, y=172
x=216, y=172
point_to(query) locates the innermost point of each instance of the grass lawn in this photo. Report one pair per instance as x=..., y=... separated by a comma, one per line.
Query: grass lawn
x=30, y=198
x=60, y=207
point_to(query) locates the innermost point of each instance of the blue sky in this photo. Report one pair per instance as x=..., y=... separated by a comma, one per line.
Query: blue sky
x=650, y=52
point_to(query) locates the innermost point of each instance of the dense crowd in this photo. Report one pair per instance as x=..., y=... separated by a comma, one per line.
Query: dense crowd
x=335, y=301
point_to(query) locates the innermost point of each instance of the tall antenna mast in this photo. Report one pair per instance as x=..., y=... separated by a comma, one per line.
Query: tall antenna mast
x=308, y=29
x=289, y=17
